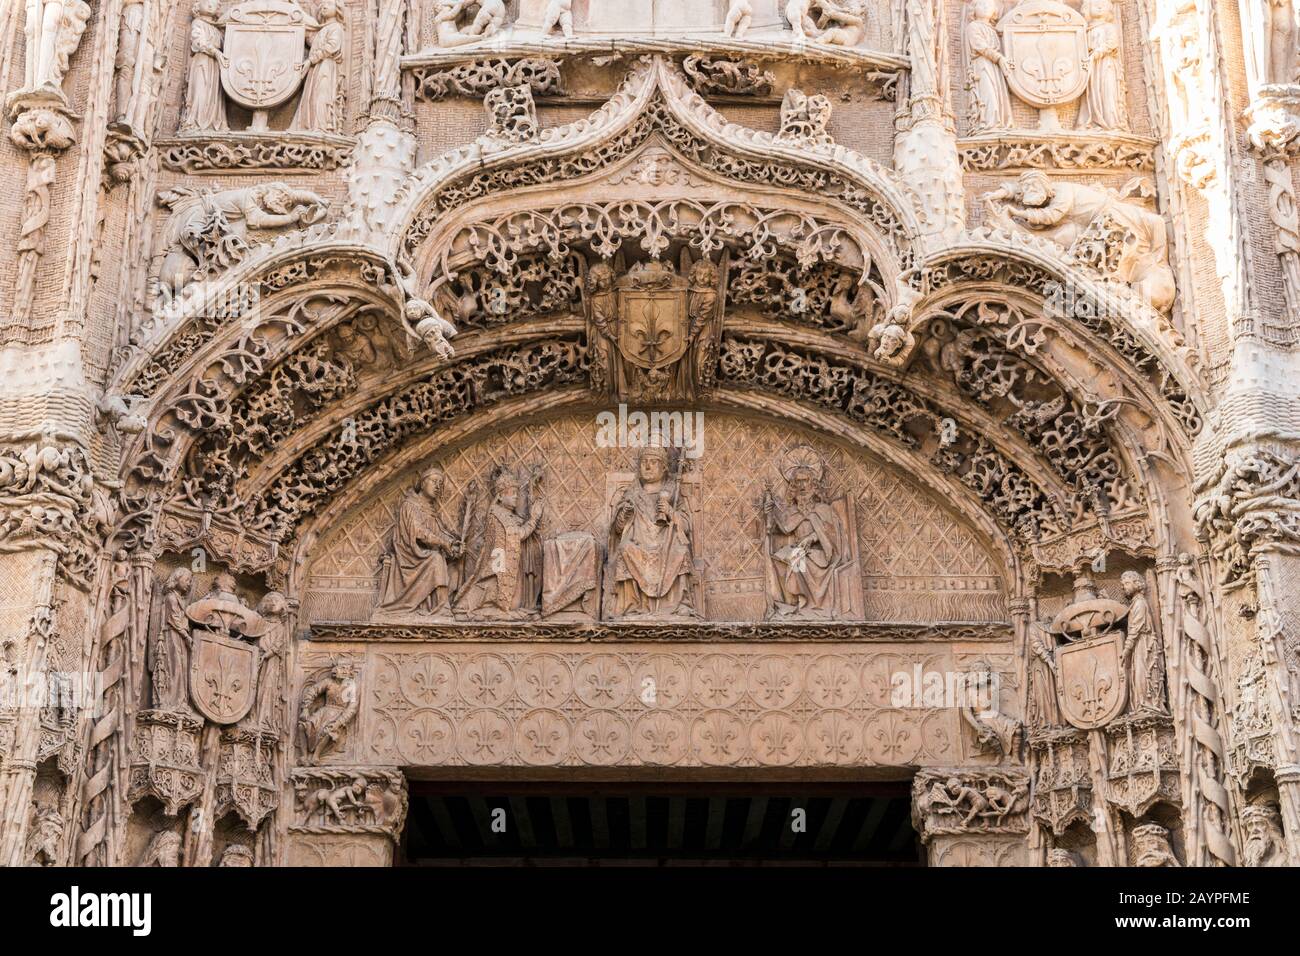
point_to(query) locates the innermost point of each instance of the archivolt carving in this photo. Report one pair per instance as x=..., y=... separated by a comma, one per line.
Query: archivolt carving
x=657, y=96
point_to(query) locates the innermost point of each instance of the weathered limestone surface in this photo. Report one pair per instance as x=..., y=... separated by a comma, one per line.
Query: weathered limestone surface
x=664, y=387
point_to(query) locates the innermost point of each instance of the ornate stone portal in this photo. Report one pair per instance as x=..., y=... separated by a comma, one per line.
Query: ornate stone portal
x=580, y=390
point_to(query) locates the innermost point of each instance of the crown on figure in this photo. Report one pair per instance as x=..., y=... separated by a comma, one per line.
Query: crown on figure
x=1151, y=830
x=505, y=480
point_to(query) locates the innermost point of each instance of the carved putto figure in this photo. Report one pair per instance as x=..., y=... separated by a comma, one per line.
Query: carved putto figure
x=740, y=13
x=487, y=19
x=1064, y=212
x=1265, y=844
x=54, y=29
x=168, y=655
x=990, y=100
x=812, y=570
x=1151, y=846
x=841, y=22
x=205, y=108
x=559, y=13
x=1104, y=104
x=651, y=558
x=327, y=709
x=416, y=575
x=318, y=106
x=799, y=15
x=504, y=579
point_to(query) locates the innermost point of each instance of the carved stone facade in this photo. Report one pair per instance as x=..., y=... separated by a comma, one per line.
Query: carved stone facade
x=415, y=389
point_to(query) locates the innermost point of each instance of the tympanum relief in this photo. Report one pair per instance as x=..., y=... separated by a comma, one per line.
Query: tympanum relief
x=556, y=522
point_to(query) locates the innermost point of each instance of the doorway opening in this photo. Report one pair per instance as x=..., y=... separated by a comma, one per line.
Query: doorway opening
x=702, y=824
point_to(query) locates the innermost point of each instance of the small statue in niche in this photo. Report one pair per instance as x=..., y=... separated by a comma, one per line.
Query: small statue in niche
x=271, y=702
x=559, y=13
x=651, y=557
x=164, y=850
x=740, y=13
x=504, y=580
x=318, y=106
x=416, y=575
x=128, y=48
x=236, y=855
x=168, y=657
x=1279, y=40
x=812, y=569
x=1063, y=212
x=327, y=709
x=1143, y=651
x=1042, y=709
x=53, y=29
x=205, y=108
x=986, y=83
x=1151, y=846
x=1104, y=104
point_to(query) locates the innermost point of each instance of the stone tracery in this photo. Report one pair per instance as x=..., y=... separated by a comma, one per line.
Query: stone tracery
x=657, y=251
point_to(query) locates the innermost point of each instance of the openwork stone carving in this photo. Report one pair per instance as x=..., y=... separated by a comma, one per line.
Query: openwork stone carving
x=481, y=77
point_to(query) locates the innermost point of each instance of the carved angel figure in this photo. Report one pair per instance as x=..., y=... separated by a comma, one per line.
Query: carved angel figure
x=841, y=22
x=489, y=18
x=740, y=13
x=205, y=106
x=318, y=107
x=799, y=14
x=990, y=99
x=1104, y=104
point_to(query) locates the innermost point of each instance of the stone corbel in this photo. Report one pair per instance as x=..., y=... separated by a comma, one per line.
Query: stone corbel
x=346, y=816
x=972, y=817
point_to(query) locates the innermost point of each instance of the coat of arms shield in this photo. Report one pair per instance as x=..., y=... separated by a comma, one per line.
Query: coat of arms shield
x=1046, y=46
x=264, y=48
x=653, y=325
x=223, y=677
x=1091, y=685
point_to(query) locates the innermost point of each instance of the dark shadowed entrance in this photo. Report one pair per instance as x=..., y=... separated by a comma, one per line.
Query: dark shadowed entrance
x=485, y=824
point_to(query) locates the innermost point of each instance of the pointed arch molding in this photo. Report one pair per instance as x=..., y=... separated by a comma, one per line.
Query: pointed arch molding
x=203, y=369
